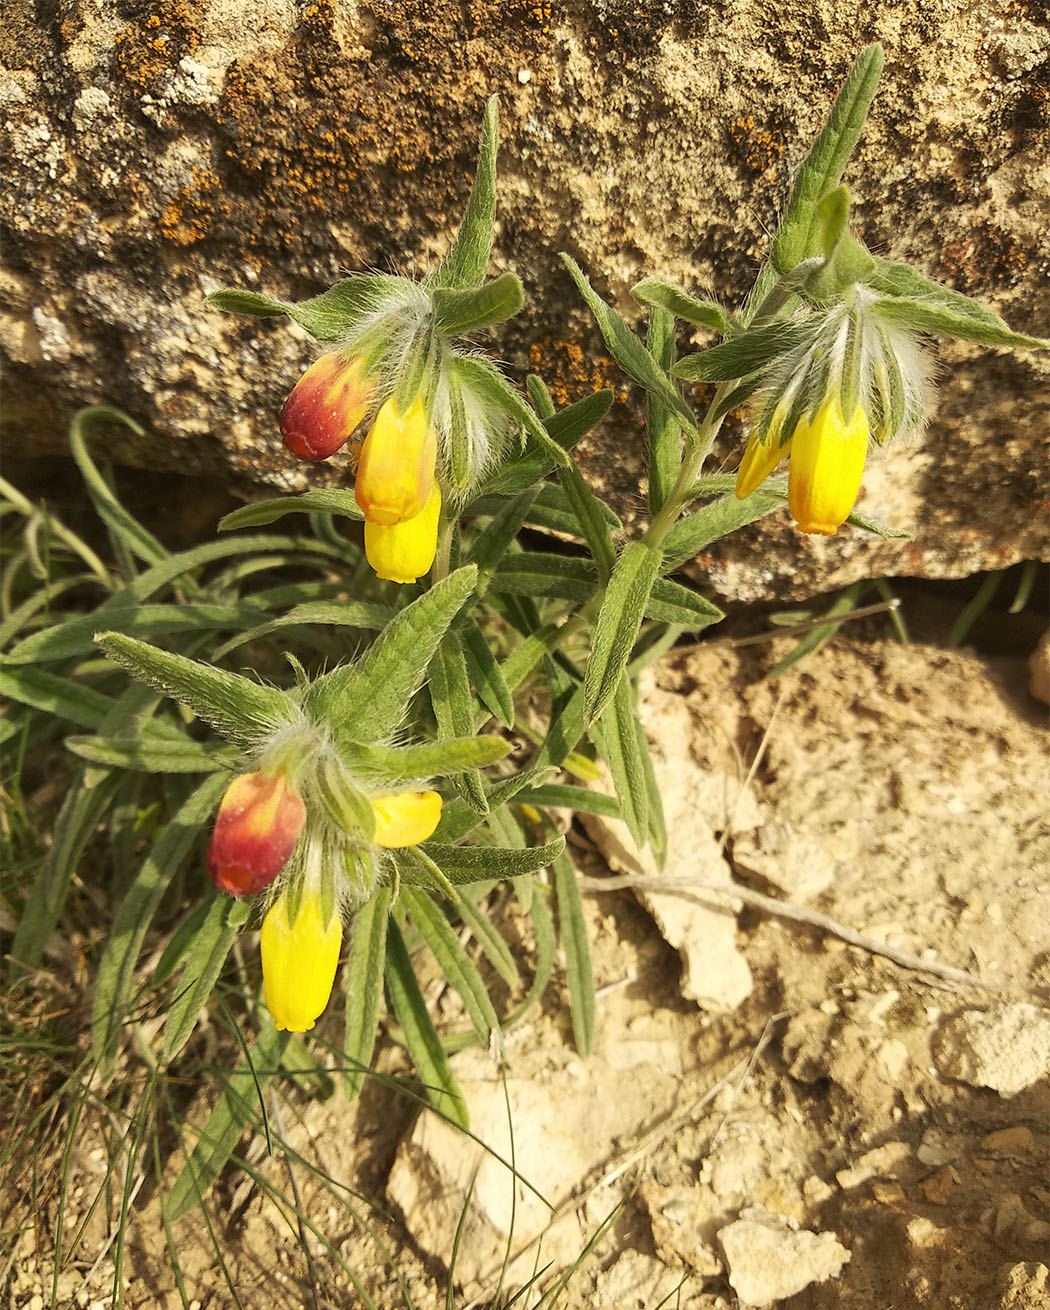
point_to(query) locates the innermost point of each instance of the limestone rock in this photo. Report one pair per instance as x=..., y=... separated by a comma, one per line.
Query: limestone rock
x=1006, y=1047
x=157, y=151
x=769, y=1262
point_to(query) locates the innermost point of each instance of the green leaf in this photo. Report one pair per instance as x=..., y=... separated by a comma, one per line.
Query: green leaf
x=618, y=622
x=629, y=352
x=615, y=736
x=453, y=705
x=241, y=710
x=587, y=509
x=117, y=968
x=77, y=821
x=477, y=920
x=670, y=602
x=368, y=700
x=422, y=1041
x=465, y=263
x=160, y=748
x=54, y=695
x=948, y=321
x=745, y=353
x=390, y=764
x=485, y=673
x=799, y=235
x=656, y=824
x=339, y=613
x=565, y=428
x=364, y=987
x=453, y=960
x=77, y=636
x=330, y=316
x=462, y=864
x=325, y=500
x=458, y=313
x=204, y=963
x=654, y=293
x=718, y=517
x=578, y=970
x=536, y=573
x=242, y=1099
x=492, y=543
x=581, y=799
x=127, y=528
x=665, y=441
x=553, y=511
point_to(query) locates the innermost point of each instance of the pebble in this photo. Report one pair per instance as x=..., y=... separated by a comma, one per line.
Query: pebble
x=1006, y=1048
x=768, y=1262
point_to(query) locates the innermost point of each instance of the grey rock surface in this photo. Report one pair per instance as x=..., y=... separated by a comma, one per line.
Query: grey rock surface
x=157, y=151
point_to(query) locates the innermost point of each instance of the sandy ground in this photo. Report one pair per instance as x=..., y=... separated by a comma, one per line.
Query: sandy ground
x=782, y=1118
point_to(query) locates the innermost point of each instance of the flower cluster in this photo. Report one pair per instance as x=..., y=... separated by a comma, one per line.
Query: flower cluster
x=397, y=487
x=315, y=858
x=851, y=374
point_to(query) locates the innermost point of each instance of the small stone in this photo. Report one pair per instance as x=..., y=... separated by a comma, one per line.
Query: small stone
x=883, y=1161
x=1024, y=1287
x=887, y=1193
x=1017, y=1140
x=1039, y=670
x=524, y=76
x=937, y=1188
x=768, y=1262
x=1006, y=1048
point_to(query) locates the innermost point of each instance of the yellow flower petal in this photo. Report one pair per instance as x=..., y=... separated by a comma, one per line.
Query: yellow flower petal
x=405, y=551
x=299, y=961
x=396, y=470
x=760, y=459
x=405, y=818
x=827, y=464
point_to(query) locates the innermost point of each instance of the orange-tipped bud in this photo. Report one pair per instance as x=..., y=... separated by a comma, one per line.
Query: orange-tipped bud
x=396, y=472
x=827, y=463
x=257, y=828
x=326, y=405
x=405, y=551
x=299, y=961
x=405, y=818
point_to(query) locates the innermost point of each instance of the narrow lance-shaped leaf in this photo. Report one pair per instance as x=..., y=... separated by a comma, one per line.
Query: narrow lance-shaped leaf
x=573, y=928
x=616, y=739
x=364, y=987
x=799, y=234
x=60, y=697
x=535, y=573
x=656, y=294
x=388, y=764
x=618, y=622
x=368, y=699
x=465, y=264
x=422, y=1041
x=117, y=968
x=485, y=379
x=947, y=321
x=454, y=710
x=670, y=602
x=455, y=964
x=326, y=500
x=329, y=316
x=241, y=710
x=745, y=353
x=462, y=864
x=665, y=442
x=153, y=752
x=629, y=352
x=593, y=527
x=458, y=312
x=486, y=674
x=204, y=961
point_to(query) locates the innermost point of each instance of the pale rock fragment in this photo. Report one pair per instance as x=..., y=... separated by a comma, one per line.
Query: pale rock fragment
x=1006, y=1047
x=769, y=1262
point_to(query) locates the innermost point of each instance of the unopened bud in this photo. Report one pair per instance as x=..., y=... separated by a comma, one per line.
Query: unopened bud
x=257, y=828
x=326, y=405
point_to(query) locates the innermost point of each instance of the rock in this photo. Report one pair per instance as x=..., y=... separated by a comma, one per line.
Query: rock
x=779, y=855
x=155, y=152
x=1024, y=1287
x=882, y=1162
x=565, y=1116
x=680, y=1234
x=635, y=1282
x=769, y=1262
x=1006, y=1048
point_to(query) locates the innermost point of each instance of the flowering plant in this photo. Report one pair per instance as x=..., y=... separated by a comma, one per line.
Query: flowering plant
x=361, y=794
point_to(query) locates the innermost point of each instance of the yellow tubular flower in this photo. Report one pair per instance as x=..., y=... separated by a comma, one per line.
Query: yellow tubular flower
x=827, y=463
x=396, y=471
x=405, y=551
x=760, y=459
x=405, y=818
x=299, y=961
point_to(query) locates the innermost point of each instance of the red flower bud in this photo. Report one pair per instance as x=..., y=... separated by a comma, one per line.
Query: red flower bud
x=256, y=831
x=326, y=405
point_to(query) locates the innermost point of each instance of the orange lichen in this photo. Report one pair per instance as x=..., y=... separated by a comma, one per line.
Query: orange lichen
x=752, y=147
x=155, y=41
x=990, y=256
x=571, y=374
x=191, y=211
